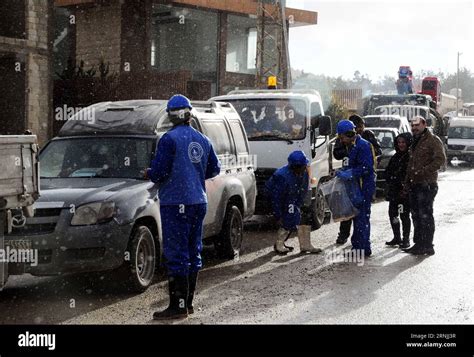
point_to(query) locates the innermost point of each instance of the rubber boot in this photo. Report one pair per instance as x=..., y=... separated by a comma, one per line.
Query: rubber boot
x=304, y=237
x=279, y=246
x=192, y=288
x=178, y=291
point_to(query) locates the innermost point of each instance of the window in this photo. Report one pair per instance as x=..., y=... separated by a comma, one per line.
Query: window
x=239, y=138
x=96, y=157
x=12, y=19
x=217, y=132
x=185, y=39
x=241, y=44
x=316, y=110
x=272, y=119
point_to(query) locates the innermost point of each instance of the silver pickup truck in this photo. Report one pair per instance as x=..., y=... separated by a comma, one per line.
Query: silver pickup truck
x=97, y=213
x=19, y=188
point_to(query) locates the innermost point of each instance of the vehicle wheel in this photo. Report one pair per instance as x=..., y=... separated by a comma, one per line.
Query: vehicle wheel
x=229, y=241
x=318, y=210
x=140, y=268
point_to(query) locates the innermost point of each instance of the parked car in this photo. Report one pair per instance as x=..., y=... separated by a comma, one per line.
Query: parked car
x=97, y=212
x=386, y=138
x=461, y=139
x=279, y=122
x=382, y=120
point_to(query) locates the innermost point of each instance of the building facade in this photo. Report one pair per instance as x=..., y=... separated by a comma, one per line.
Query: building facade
x=25, y=67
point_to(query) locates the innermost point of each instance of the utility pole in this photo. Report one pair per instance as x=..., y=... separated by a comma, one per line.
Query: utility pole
x=272, y=43
x=457, y=86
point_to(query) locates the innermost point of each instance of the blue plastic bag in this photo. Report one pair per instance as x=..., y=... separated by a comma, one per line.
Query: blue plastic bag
x=354, y=192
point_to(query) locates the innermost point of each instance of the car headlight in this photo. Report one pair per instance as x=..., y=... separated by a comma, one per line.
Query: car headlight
x=93, y=213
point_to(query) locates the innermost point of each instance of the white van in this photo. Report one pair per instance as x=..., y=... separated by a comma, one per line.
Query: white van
x=461, y=139
x=388, y=121
x=279, y=122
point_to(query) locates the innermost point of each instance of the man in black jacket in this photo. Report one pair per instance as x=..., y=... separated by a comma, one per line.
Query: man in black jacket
x=340, y=153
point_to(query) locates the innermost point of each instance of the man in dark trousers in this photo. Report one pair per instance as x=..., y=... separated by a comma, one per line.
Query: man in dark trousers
x=427, y=156
x=340, y=153
x=184, y=160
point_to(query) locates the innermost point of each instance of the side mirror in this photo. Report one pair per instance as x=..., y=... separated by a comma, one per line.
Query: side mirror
x=325, y=125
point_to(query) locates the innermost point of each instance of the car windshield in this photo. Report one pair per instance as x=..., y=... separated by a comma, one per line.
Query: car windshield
x=386, y=138
x=274, y=119
x=461, y=132
x=96, y=157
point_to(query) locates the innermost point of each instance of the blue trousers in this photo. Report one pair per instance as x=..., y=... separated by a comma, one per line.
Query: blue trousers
x=361, y=236
x=182, y=228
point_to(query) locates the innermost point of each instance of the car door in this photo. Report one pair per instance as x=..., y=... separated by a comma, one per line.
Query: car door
x=245, y=165
x=218, y=133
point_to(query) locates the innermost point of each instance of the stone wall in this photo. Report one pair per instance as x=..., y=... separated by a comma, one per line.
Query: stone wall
x=98, y=34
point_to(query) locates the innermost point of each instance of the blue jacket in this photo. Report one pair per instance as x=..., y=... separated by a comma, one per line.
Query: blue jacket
x=184, y=159
x=285, y=189
x=361, y=161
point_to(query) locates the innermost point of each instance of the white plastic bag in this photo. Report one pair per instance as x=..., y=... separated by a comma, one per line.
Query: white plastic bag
x=338, y=200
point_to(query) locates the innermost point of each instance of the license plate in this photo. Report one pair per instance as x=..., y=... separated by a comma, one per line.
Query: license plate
x=18, y=244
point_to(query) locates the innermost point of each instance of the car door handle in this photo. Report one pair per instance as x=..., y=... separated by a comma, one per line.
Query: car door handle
x=228, y=171
x=249, y=168
x=239, y=169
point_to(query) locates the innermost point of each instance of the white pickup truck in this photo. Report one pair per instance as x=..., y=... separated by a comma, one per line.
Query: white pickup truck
x=279, y=122
x=19, y=188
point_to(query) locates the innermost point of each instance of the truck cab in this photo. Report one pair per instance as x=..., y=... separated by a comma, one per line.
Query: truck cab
x=279, y=122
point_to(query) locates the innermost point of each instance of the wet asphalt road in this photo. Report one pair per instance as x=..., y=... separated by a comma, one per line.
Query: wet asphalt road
x=260, y=287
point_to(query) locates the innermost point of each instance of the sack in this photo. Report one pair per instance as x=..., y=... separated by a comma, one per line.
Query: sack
x=354, y=192
x=338, y=201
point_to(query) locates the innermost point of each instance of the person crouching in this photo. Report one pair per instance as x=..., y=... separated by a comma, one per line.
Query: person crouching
x=287, y=189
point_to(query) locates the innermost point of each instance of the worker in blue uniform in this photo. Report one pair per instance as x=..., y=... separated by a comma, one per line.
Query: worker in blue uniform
x=184, y=159
x=360, y=167
x=287, y=189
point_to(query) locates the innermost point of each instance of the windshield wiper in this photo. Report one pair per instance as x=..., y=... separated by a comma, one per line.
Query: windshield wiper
x=270, y=136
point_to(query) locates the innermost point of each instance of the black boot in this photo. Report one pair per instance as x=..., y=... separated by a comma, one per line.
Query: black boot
x=406, y=243
x=416, y=250
x=394, y=241
x=410, y=249
x=178, y=291
x=192, y=288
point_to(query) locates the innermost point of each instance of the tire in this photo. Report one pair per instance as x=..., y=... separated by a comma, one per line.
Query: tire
x=139, y=270
x=229, y=240
x=318, y=210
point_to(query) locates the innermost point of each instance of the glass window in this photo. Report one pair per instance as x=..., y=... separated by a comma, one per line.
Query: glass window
x=96, y=157
x=12, y=19
x=239, y=138
x=241, y=44
x=217, y=132
x=63, y=45
x=185, y=39
x=385, y=138
x=460, y=132
x=272, y=119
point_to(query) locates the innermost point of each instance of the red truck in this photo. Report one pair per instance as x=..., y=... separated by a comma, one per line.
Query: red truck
x=431, y=86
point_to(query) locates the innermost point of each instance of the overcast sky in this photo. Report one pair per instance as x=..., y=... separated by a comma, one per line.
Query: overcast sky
x=376, y=37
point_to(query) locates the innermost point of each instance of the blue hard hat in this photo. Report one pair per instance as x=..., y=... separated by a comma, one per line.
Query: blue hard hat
x=177, y=102
x=298, y=158
x=345, y=126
